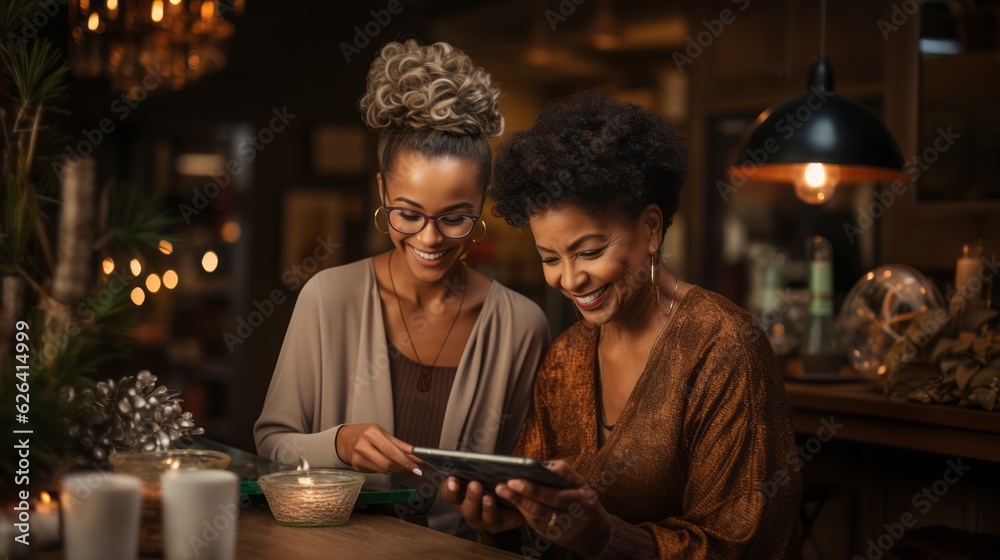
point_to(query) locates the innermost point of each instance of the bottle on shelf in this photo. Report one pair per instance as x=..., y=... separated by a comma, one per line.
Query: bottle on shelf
x=772, y=313
x=821, y=351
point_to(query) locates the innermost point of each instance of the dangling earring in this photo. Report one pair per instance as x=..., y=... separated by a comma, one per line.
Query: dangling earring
x=654, y=278
x=480, y=242
x=375, y=219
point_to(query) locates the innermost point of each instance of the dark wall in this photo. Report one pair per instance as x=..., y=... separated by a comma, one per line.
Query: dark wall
x=283, y=55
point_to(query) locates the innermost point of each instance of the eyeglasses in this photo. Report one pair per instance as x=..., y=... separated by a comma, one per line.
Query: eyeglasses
x=409, y=222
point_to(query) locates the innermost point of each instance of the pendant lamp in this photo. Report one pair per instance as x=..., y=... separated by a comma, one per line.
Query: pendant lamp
x=818, y=140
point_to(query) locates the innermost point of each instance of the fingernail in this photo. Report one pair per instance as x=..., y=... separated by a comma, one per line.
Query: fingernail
x=418, y=472
x=516, y=485
x=452, y=485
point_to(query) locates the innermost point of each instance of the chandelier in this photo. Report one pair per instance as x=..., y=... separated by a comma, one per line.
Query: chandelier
x=147, y=45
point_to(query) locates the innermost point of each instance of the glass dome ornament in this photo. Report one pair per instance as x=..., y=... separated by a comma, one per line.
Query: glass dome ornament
x=884, y=306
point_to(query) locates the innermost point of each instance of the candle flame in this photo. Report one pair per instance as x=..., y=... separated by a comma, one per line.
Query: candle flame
x=173, y=464
x=303, y=464
x=45, y=503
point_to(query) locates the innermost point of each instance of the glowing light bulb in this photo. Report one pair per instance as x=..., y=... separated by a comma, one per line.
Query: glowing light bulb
x=166, y=247
x=170, y=279
x=135, y=267
x=817, y=183
x=108, y=265
x=231, y=231
x=112, y=5
x=156, y=13
x=210, y=261
x=138, y=296
x=94, y=21
x=153, y=283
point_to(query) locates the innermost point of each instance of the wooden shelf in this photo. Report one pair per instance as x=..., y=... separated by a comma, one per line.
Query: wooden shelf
x=868, y=416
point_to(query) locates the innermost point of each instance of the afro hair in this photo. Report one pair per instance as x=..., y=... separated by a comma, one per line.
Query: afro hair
x=599, y=154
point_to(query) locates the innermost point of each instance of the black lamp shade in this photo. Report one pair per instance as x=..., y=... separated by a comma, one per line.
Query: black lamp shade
x=818, y=127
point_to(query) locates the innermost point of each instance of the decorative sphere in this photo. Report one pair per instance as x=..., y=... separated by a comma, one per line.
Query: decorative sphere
x=882, y=305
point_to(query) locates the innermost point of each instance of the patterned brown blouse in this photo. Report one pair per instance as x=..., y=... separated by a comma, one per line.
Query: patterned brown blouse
x=701, y=463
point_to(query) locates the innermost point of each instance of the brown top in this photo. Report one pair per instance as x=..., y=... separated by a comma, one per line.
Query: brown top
x=419, y=415
x=701, y=463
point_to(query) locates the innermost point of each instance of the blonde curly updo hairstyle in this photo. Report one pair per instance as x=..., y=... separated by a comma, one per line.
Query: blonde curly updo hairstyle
x=431, y=100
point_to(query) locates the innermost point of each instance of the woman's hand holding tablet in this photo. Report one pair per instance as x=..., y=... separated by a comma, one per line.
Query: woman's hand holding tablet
x=488, y=469
x=559, y=504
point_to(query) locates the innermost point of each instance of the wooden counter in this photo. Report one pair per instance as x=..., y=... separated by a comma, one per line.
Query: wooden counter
x=367, y=536
x=870, y=417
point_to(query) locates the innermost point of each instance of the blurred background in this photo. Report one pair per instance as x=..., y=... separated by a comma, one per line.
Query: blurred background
x=255, y=140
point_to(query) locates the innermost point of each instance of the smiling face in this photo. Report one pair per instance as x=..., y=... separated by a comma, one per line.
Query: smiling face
x=431, y=186
x=601, y=263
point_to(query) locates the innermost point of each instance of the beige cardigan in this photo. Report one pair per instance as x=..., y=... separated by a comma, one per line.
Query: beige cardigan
x=333, y=369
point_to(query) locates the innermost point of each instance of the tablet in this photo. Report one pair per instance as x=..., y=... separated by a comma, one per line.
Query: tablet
x=488, y=469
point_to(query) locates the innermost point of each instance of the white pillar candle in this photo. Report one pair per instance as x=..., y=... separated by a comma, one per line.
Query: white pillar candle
x=966, y=273
x=45, y=521
x=101, y=516
x=199, y=514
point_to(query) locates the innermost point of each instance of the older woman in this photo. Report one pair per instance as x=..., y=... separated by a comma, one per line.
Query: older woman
x=663, y=406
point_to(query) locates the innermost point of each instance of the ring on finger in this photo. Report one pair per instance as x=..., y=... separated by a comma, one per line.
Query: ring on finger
x=552, y=518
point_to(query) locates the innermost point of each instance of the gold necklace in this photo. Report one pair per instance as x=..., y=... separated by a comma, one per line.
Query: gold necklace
x=424, y=380
x=600, y=365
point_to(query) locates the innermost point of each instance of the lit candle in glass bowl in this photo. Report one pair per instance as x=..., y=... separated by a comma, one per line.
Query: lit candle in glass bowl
x=311, y=497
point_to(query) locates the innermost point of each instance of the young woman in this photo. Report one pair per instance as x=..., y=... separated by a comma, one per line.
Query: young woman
x=411, y=347
x=663, y=407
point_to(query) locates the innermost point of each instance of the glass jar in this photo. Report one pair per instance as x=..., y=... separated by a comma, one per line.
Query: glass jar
x=148, y=466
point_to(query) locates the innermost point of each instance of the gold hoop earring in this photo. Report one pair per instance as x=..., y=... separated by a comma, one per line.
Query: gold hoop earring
x=375, y=219
x=480, y=242
x=654, y=278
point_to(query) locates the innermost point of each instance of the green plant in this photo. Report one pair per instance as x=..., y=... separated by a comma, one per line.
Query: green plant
x=53, y=232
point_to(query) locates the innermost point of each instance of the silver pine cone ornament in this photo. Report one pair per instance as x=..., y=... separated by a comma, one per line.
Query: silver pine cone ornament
x=132, y=414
